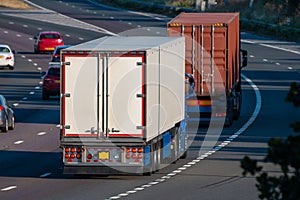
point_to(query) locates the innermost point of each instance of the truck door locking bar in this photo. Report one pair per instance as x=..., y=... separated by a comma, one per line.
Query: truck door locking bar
x=66, y=127
x=66, y=95
x=114, y=130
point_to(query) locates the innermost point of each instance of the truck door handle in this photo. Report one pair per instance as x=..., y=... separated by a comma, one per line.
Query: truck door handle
x=114, y=130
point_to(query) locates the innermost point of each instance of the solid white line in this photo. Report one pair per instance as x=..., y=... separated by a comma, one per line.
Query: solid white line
x=271, y=46
x=279, y=48
x=8, y=188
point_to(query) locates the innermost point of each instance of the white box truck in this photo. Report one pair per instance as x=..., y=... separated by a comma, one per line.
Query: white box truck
x=123, y=105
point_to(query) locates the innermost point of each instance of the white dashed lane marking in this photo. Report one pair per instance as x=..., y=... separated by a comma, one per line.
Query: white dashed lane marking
x=41, y=133
x=19, y=142
x=8, y=188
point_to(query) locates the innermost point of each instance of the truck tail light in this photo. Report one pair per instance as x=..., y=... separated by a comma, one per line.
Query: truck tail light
x=199, y=102
x=220, y=114
x=140, y=150
x=1, y=108
x=90, y=156
x=72, y=153
x=134, y=153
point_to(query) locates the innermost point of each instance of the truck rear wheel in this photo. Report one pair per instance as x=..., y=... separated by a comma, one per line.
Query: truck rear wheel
x=229, y=113
x=45, y=95
x=237, y=109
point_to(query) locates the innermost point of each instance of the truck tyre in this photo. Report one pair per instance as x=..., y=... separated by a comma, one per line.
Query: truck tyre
x=229, y=113
x=175, y=151
x=153, y=156
x=5, y=128
x=158, y=157
x=45, y=95
x=237, y=110
x=12, y=124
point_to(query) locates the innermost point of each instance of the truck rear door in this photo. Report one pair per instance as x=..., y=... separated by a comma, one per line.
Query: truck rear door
x=102, y=96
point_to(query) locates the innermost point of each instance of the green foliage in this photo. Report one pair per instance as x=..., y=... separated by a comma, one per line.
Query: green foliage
x=294, y=94
x=286, y=154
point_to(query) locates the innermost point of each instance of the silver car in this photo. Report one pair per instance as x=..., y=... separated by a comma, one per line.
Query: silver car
x=7, y=58
x=7, y=118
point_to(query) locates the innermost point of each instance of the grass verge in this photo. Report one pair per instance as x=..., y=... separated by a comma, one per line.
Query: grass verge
x=15, y=4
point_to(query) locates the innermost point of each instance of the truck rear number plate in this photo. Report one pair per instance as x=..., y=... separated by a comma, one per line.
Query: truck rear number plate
x=104, y=155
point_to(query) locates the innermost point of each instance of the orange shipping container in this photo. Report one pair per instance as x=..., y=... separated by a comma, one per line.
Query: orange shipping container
x=212, y=50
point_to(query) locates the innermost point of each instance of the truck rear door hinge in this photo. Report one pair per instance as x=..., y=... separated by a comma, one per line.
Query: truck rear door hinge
x=140, y=127
x=66, y=95
x=66, y=127
x=65, y=63
x=140, y=95
x=140, y=63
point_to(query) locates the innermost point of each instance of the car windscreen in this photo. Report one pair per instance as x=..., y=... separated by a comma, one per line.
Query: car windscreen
x=58, y=49
x=54, y=71
x=50, y=36
x=4, y=49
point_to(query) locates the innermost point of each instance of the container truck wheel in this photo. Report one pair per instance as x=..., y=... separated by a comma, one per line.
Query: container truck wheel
x=229, y=113
x=237, y=109
x=5, y=128
x=157, y=160
x=175, y=150
x=45, y=95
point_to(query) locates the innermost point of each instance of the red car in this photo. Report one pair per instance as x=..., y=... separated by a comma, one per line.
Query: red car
x=51, y=82
x=46, y=41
